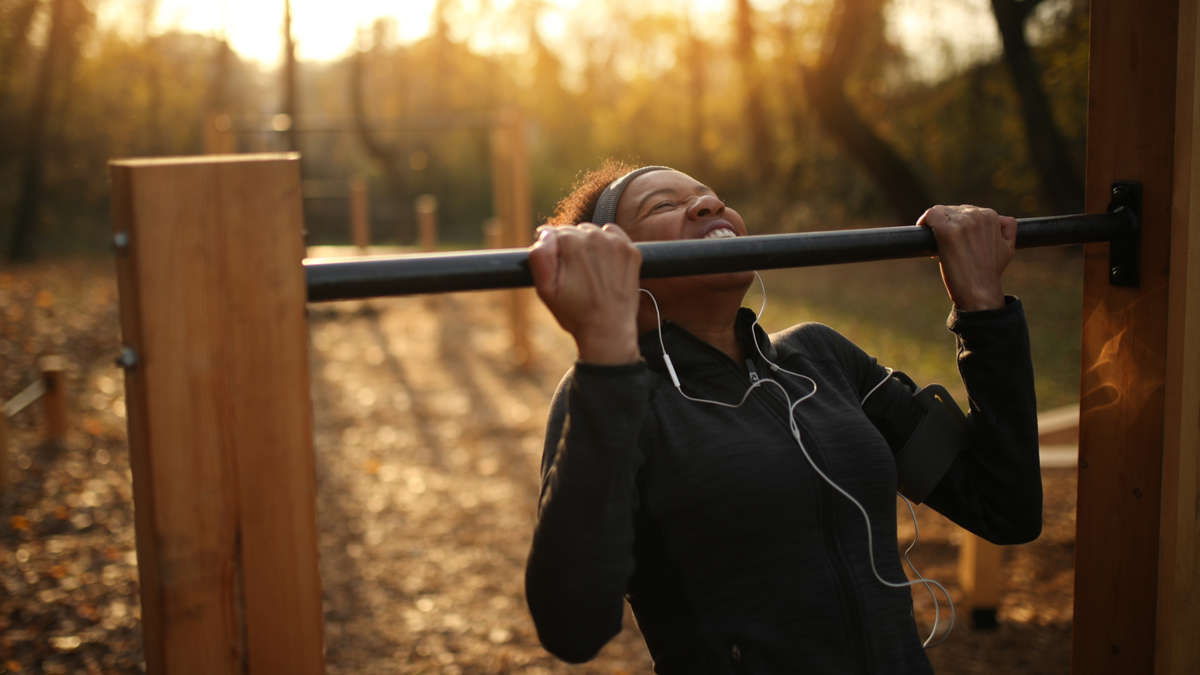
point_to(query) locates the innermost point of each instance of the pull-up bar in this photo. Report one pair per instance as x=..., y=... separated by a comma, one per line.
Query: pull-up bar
x=509, y=268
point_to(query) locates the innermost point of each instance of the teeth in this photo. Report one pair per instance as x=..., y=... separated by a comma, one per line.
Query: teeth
x=720, y=234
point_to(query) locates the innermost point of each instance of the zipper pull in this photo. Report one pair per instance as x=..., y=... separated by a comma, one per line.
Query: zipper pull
x=753, y=372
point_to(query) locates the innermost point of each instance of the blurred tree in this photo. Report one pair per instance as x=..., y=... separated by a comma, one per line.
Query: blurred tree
x=386, y=156
x=825, y=85
x=152, y=143
x=16, y=16
x=761, y=167
x=1048, y=152
x=289, y=79
x=697, y=85
x=65, y=17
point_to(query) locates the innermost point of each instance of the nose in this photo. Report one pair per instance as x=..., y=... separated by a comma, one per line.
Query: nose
x=705, y=206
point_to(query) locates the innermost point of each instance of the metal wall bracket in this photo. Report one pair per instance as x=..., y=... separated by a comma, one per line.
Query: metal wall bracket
x=1124, y=254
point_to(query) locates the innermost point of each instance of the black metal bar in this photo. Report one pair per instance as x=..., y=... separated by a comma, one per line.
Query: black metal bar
x=348, y=279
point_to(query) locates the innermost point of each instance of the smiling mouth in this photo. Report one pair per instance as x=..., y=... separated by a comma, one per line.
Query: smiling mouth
x=720, y=233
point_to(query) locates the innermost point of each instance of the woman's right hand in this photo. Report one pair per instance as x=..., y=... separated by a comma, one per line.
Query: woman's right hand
x=588, y=278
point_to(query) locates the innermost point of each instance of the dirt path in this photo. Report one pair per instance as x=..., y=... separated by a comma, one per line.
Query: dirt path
x=428, y=445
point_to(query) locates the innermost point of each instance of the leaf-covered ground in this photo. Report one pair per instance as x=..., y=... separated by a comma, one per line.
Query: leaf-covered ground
x=427, y=439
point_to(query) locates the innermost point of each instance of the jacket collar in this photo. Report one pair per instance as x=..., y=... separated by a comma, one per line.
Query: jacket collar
x=688, y=350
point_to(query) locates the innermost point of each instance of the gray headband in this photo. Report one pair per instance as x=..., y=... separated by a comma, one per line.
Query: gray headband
x=606, y=206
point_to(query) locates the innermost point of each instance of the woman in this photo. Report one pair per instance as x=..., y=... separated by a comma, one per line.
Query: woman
x=665, y=482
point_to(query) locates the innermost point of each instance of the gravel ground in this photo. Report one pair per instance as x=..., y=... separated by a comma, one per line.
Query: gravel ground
x=427, y=439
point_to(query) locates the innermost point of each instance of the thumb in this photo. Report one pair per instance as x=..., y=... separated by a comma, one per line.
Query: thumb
x=1008, y=229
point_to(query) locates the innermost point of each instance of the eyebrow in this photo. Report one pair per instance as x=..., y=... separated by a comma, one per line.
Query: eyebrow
x=701, y=189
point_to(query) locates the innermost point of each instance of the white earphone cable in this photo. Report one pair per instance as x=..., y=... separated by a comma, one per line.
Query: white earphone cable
x=795, y=429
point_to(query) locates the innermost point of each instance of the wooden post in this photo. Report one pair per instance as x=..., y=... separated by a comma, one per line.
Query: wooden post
x=218, y=137
x=979, y=563
x=493, y=233
x=212, y=295
x=1135, y=578
x=514, y=206
x=54, y=401
x=1178, y=624
x=427, y=208
x=360, y=213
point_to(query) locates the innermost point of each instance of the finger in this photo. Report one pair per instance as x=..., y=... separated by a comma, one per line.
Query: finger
x=1008, y=228
x=544, y=261
x=932, y=217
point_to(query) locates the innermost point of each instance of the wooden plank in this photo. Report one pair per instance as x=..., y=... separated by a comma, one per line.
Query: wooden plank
x=1177, y=649
x=1131, y=122
x=219, y=413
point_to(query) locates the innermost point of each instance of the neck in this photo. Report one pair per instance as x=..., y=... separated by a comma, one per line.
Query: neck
x=714, y=320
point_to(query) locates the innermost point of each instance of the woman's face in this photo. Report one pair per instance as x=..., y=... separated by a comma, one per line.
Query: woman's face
x=668, y=205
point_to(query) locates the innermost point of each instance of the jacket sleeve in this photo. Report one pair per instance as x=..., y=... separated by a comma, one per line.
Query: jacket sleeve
x=582, y=554
x=994, y=486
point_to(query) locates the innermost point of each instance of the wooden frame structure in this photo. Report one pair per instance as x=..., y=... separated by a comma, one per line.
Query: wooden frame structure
x=220, y=422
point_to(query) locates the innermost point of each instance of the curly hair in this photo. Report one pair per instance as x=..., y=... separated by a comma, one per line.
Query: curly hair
x=579, y=204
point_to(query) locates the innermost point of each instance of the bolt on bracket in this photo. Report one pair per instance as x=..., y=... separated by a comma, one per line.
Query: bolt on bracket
x=1124, y=253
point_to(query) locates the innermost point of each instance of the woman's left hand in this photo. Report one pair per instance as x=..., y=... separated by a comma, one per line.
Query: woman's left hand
x=974, y=247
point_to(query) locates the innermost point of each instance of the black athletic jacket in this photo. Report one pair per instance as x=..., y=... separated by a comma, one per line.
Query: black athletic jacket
x=734, y=554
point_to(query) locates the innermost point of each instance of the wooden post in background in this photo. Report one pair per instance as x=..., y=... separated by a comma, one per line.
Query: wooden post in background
x=514, y=206
x=218, y=135
x=213, y=295
x=4, y=462
x=1125, y=509
x=493, y=233
x=360, y=213
x=427, y=208
x=979, y=563
x=54, y=401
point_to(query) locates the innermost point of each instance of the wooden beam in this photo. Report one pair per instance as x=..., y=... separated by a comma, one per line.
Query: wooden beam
x=1131, y=136
x=1177, y=649
x=212, y=296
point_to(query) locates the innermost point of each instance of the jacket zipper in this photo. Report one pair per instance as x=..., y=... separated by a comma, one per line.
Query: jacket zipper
x=858, y=642
x=849, y=597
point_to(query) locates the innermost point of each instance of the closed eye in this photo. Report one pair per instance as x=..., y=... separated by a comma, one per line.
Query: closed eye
x=662, y=205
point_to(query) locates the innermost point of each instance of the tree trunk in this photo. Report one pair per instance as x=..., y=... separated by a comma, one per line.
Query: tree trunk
x=825, y=86
x=1060, y=179
x=696, y=87
x=386, y=157
x=289, y=78
x=29, y=203
x=13, y=51
x=761, y=165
